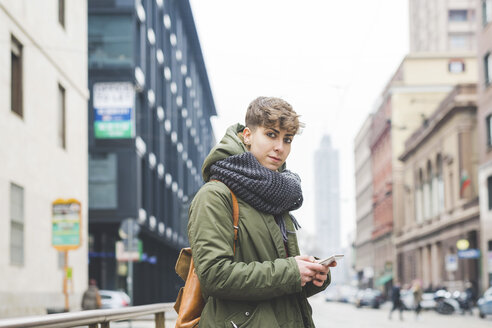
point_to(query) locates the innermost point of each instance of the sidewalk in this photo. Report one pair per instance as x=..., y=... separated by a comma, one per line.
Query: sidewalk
x=147, y=322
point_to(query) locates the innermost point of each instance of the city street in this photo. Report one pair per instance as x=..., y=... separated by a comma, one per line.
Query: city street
x=340, y=315
x=333, y=314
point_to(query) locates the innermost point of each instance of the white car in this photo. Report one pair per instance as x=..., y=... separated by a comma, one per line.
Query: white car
x=112, y=299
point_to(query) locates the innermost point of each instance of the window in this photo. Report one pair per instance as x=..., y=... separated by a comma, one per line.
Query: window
x=110, y=40
x=458, y=15
x=61, y=12
x=103, y=184
x=486, y=11
x=61, y=260
x=489, y=191
x=61, y=117
x=458, y=41
x=16, y=77
x=16, y=225
x=488, y=122
x=456, y=66
x=487, y=68
x=440, y=184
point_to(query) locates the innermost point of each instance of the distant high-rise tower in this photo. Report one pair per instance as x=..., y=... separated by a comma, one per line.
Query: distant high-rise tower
x=327, y=198
x=442, y=25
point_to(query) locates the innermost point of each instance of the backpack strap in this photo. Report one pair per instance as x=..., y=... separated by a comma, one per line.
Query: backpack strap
x=235, y=215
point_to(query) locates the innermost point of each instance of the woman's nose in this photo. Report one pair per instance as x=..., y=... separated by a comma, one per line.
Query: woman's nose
x=278, y=146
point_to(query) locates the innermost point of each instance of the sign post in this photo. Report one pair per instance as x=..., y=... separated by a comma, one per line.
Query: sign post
x=128, y=231
x=66, y=234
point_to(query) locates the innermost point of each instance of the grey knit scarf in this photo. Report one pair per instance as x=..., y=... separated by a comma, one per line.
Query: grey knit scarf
x=267, y=191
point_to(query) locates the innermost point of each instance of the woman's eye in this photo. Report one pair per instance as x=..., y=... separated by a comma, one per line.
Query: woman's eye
x=288, y=140
x=271, y=134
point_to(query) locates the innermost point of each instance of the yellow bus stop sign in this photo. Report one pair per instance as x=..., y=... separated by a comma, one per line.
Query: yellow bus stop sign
x=66, y=222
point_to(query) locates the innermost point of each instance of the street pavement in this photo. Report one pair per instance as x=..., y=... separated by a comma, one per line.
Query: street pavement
x=333, y=314
x=344, y=315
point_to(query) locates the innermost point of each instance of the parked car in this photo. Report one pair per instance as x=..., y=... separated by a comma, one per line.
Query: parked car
x=485, y=303
x=369, y=297
x=113, y=299
x=340, y=293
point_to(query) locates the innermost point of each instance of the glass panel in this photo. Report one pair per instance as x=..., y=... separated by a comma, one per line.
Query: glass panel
x=458, y=41
x=110, y=40
x=458, y=15
x=16, y=243
x=488, y=68
x=103, y=186
x=487, y=11
x=16, y=203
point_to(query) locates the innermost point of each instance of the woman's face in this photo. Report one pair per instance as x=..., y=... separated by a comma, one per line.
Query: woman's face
x=270, y=146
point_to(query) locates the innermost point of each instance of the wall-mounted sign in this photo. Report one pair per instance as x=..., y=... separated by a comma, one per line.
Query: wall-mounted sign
x=470, y=253
x=66, y=219
x=114, y=110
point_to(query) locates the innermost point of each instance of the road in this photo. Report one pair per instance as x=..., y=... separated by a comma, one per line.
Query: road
x=331, y=314
x=342, y=315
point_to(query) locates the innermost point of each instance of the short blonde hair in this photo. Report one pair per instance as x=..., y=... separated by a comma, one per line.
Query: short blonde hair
x=269, y=112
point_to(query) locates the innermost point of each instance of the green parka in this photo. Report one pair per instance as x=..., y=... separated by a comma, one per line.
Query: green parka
x=259, y=285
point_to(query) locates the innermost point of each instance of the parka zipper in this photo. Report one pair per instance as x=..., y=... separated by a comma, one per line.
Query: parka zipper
x=234, y=325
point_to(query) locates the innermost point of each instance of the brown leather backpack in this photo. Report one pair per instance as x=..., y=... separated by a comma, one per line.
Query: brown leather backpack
x=190, y=302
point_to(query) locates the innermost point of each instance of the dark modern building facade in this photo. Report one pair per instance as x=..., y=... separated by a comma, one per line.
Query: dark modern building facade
x=149, y=131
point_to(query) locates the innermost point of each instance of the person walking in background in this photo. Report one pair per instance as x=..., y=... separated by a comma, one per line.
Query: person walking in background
x=260, y=281
x=91, y=300
x=417, y=297
x=396, y=299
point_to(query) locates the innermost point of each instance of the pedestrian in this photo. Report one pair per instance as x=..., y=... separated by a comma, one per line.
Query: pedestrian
x=417, y=297
x=396, y=299
x=469, y=299
x=91, y=300
x=261, y=281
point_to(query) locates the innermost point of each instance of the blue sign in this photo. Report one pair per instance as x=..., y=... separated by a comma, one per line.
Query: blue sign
x=470, y=253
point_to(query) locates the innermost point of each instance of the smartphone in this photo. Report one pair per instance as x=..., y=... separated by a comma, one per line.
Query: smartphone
x=330, y=259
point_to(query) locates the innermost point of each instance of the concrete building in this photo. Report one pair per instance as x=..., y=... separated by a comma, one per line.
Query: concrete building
x=327, y=198
x=442, y=26
x=149, y=132
x=484, y=126
x=43, y=147
x=364, y=252
x=441, y=196
x=421, y=82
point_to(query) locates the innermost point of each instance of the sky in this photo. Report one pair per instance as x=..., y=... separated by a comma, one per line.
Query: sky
x=330, y=59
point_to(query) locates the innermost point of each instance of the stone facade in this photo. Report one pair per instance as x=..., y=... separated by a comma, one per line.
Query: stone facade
x=364, y=253
x=484, y=126
x=439, y=209
x=37, y=162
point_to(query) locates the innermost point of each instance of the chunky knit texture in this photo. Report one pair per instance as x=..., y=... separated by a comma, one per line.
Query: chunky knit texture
x=267, y=191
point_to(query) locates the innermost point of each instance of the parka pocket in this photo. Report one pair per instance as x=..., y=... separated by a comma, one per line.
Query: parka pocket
x=260, y=316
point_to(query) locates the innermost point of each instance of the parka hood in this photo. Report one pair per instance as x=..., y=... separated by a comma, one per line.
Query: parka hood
x=231, y=144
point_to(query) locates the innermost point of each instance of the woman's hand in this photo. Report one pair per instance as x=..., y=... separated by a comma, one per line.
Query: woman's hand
x=310, y=270
x=322, y=275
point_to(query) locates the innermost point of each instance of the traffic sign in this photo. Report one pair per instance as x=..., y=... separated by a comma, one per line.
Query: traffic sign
x=129, y=227
x=124, y=255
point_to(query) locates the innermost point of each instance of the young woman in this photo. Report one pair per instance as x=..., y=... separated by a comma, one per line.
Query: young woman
x=264, y=282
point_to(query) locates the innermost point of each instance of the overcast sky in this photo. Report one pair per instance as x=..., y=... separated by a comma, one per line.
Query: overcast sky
x=330, y=59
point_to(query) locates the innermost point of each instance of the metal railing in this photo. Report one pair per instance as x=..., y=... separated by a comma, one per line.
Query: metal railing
x=91, y=318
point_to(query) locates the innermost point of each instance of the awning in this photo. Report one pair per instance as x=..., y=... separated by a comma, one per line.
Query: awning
x=384, y=279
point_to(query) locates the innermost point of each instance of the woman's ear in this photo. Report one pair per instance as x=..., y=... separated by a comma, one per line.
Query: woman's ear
x=247, y=136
